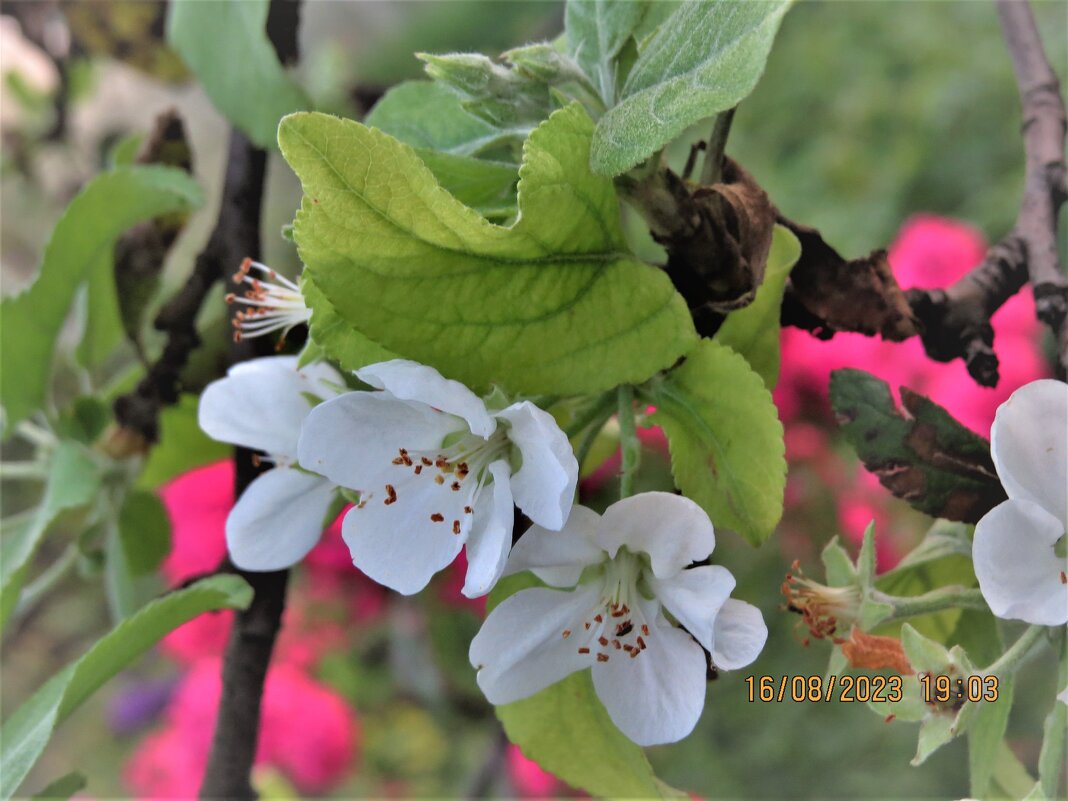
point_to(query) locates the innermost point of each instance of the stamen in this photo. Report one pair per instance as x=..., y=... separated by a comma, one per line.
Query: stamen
x=566, y=633
x=437, y=517
x=468, y=510
x=272, y=305
x=583, y=650
x=455, y=486
x=602, y=657
x=455, y=526
x=391, y=495
x=439, y=479
x=645, y=630
x=603, y=641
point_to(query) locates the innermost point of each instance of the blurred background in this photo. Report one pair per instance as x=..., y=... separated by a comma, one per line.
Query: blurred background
x=883, y=124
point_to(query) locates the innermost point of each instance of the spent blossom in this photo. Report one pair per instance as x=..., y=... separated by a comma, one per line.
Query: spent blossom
x=613, y=580
x=437, y=470
x=271, y=302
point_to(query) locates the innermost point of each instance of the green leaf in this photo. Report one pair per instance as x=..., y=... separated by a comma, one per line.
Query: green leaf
x=489, y=187
x=935, y=731
x=754, y=330
x=103, y=319
x=30, y=321
x=29, y=728
x=926, y=457
x=567, y=731
x=725, y=438
x=596, y=32
x=985, y=734
x=182, y=445
x=429, y=116
x=1051, y=757
x=73, y=481
x=703, y=60
x=866, y=557
x=62, y=788
x=553, y=304
x=837, y=565
x=224, y=42
x=335, y=337
x=504, y=97
x=144, y=531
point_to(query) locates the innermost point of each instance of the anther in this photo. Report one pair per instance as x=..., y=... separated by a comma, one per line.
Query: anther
x=437, y=517
x=602, y=657
x=439, y=479
x=617, y=644
x=468, y=510
x=455, y=526
x=624, y=628
x=598, y=618
x=418, y=469
x=583, y=650
x=566, y=633
x=455, y=486
x=645, y=630
x=641, y=644
x=602, y=640
x=425, y=461
x=391, y=495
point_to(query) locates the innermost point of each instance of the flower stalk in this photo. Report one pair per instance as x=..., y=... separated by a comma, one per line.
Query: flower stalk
x=630, y=445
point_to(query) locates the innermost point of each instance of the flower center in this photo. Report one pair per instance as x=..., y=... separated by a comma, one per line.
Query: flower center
x=616, y=625
x=272, y=303
x=462, y=466
x=823, y=609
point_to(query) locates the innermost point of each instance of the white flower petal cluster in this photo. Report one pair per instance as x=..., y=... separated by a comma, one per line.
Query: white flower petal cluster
x=623, y=601
x=1018, y=549
x=437, y=470
x=262, y=404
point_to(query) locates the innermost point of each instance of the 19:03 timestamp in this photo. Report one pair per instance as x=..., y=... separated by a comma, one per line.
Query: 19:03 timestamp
x=941, y=689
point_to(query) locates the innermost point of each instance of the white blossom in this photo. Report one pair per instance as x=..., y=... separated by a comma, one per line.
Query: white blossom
x=261, y=404
x=437, y=470
x=627, y=571
x=1019, y=545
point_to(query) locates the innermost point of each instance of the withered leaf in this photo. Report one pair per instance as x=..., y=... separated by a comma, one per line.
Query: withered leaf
x=921, y=454
x=861, y=295
x=875, y=652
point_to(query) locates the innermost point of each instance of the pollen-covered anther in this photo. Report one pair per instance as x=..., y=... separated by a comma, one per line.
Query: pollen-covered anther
x=602, y=657
x=624, y=628
x=437, y=517
x=455, y=526
x=439, y=479
x=391, y=495
x=645, y=630
x=602, y=640
x=583, y=650
x=565, y=633
x=455, y=486
x=468, y=510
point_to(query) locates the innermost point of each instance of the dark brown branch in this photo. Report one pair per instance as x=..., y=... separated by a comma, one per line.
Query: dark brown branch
x=252, y=638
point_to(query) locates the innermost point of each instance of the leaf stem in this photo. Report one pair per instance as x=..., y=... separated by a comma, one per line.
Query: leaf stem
x=51, y=576
x=933, y=601
x=717, y=142
x=1018, y=653
x=630, y=445
x=17, y=470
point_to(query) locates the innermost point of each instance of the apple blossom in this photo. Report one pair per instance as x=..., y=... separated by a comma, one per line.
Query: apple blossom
x=437, y=470
x=1018, y=547
x=272, y=303
x=626, y=568
x=261, y=404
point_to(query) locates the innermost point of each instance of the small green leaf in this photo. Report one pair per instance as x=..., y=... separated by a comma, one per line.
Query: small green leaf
x=182, y=445
x=703, y=60
x=985, y=733
x=225, y=44
x=429, y=116
x=553, y=304
x=837, y=565
x=62, y=788
x=596, y=31
x=924, y=654
x=73, y=481
x=935, y=731
x=567, y=731
x=26, y=732
x=754, y=330
x=30, y=321
x=144, y=532
x=725, y=438
x=866, y=558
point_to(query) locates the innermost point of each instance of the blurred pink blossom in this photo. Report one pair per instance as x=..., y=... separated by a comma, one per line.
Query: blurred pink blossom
x=307, y=732
x=527, y=777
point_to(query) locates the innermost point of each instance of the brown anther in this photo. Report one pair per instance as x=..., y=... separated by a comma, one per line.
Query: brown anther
x=617, y=644
x=618, y=612
x=361, y=504
x=1064, y=577
x=645, y=630
x=468, y=510
x=602, y=640
x=628, y=647
x=598, y=618
x=583, y=650
x=602, y=657
x=634, y=653
x=455, y=526
x=587, y=625
x=566, y=633
x=462, y=470
x=441, y=463
x=425, y=461
x=437, y=517
x=641, y=644
x=391, y=495
x=439, y=479
x=398, y=460
x=624, y=628
x=230, y=298
x=455, y=486
x=418, y=469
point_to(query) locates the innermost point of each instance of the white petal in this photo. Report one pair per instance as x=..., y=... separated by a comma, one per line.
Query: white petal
x=400, y=544
x=658, y=696
x=491, y=533
x=277, y=519
x=410, y=380
x=695, y=597
x=739, y=635
x=320, y=378
x=559, y=557
x=1029, y=442
x=354, y=438
x=520, y=648
x=1020, y=575
x=673, y=530
x=544, y=486
x=260, y=404
x=1062, y=696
